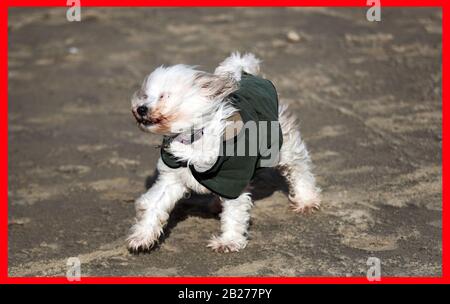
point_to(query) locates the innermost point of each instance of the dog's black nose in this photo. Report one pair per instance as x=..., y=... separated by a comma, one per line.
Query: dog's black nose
x=142, y=111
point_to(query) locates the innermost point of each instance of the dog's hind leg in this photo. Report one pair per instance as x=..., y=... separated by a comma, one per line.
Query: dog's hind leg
x=234, y=221
x=295, y=165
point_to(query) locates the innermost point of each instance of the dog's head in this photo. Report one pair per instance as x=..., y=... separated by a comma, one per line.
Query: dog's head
x=176, y=99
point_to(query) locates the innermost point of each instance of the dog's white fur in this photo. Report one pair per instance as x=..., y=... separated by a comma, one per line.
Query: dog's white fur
x=183, y=99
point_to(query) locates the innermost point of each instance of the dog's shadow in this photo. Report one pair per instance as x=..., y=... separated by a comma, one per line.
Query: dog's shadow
x=265, y=182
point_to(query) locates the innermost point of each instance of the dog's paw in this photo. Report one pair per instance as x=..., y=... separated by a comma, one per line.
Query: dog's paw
x=180, y=150
x=225, y=245
x=142, y=238
x=308, y=206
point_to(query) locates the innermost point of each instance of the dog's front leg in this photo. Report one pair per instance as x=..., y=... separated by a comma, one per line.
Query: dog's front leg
x=152, y=213
x=234, y=221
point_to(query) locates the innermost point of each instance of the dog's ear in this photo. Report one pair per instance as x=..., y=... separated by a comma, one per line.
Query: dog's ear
x=214, y=86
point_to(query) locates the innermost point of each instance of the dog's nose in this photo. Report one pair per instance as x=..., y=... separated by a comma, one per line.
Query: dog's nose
x=142, y=111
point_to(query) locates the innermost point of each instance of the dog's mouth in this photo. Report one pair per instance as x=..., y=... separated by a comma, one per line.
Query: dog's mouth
x=143, y=120
x=152, y=122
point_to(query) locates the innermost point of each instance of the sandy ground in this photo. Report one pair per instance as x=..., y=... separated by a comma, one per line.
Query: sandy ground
x=368, y=96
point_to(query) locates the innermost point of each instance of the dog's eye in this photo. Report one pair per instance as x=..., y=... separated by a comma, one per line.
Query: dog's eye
x=161, y=96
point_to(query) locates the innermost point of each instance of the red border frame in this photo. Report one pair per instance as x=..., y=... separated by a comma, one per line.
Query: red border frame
x=4, y=5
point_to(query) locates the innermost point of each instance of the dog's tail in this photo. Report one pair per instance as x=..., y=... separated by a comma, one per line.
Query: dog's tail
x=236, y=64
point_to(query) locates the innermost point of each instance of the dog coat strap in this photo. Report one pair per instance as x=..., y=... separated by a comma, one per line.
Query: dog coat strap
x=167, y=157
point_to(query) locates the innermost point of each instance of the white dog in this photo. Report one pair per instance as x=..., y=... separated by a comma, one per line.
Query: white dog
x=197, y=112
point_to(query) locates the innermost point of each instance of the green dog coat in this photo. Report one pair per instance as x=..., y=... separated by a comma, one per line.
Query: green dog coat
x=257, y=102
